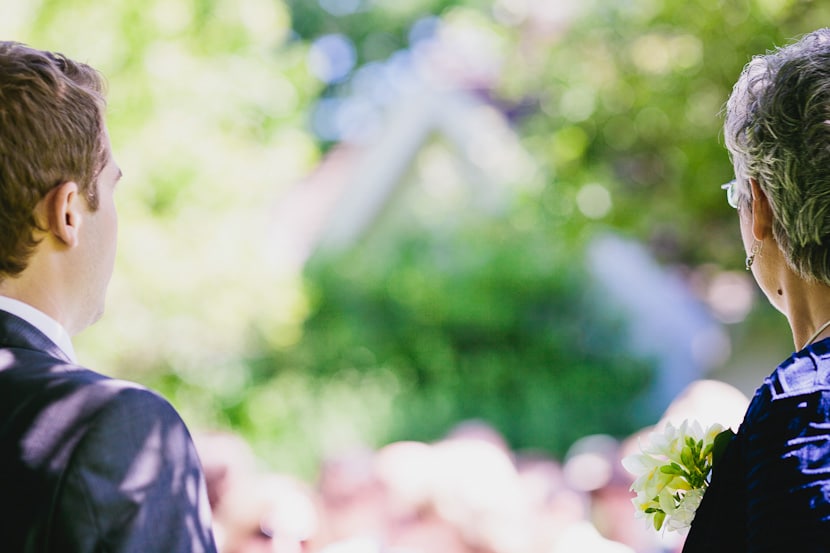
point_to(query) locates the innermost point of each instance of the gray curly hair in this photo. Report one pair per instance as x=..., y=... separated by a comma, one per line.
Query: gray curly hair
x=777, y=131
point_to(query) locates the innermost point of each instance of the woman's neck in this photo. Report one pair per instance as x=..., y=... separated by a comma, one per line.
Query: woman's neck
x=807, y=307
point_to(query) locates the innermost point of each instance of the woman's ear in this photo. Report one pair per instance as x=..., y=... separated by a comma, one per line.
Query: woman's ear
x=62, y=213
x=761, y=212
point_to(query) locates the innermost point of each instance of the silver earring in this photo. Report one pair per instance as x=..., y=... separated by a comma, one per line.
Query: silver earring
x=756, y=249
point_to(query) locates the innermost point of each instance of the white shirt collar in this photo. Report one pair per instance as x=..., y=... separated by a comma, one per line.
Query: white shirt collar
x=43, y=322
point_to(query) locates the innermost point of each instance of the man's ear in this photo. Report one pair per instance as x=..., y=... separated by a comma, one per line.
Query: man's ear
x=761, y=212
x=63, y=216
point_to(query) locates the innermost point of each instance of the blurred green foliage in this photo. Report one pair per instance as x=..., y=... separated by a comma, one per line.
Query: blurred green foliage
x=490, y=322
x=210, y=102
x=642, y=86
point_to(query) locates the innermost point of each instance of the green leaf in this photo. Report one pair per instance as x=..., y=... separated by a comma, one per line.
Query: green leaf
x=673, y=468
x=687, y=458
x=659, y=517
x=722, y=440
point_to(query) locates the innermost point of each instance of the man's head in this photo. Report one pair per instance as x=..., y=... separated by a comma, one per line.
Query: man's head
x=57, y=214
x=777, y=130
x=51, y=131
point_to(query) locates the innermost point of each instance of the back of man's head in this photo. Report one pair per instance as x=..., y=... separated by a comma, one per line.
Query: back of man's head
x=51, y=132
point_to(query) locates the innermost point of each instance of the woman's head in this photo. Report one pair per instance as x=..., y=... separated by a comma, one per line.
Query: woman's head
x=777, y=130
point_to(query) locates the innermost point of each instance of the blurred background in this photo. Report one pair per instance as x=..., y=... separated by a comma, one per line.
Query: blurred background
x=347, y=224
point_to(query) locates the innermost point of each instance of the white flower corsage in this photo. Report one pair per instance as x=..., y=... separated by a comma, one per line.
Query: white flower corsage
x=672, y=472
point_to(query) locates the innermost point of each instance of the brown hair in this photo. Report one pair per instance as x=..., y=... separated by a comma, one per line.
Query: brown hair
x=51, y=132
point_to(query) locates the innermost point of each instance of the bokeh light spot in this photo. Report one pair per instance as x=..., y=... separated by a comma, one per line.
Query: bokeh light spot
x=340, y=7
x=594, y=201
x=569, y=144
x=331, y=57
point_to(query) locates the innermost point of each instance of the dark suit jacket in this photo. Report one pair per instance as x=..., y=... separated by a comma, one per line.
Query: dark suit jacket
x=89, y=463
x=771, y=490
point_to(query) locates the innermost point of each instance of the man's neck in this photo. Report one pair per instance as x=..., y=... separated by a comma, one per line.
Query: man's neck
x=51, y=328
x=42, y=286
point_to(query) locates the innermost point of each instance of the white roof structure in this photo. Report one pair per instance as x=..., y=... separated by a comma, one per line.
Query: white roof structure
x=338, y=203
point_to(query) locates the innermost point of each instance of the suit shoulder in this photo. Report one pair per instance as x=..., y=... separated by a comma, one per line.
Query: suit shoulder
x=131, y=400
x=33, y=370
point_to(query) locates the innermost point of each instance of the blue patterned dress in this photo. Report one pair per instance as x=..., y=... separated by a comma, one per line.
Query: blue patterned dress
x=770, y=492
